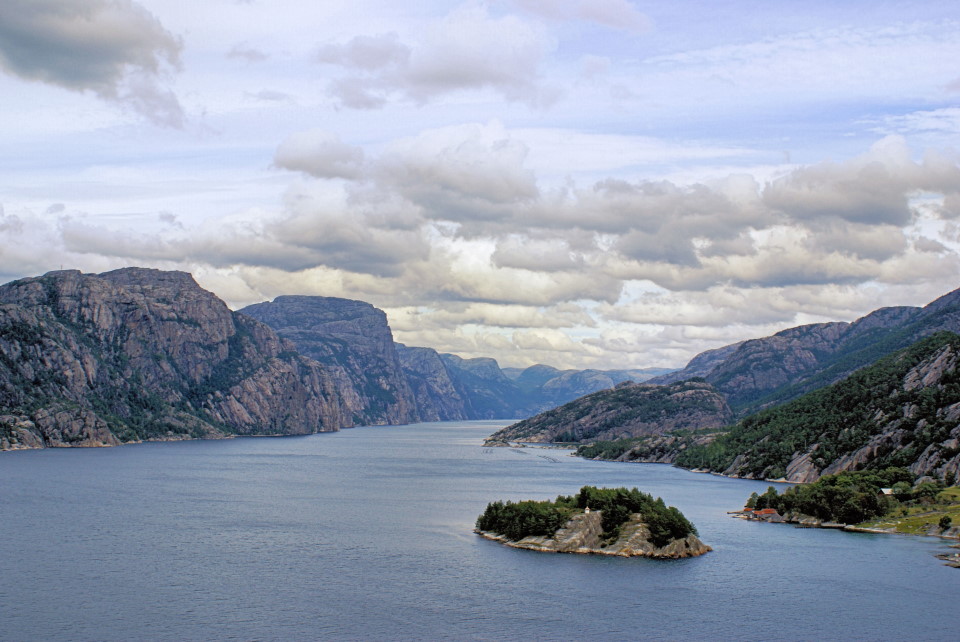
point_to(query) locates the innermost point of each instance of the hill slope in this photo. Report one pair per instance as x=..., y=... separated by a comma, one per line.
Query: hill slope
x=629, y=410
x=902, y=411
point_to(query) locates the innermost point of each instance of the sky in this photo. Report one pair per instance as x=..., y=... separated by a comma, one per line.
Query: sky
x=580, y=183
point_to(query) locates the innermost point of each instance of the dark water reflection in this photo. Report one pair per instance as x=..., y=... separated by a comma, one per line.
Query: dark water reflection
x=366, y=534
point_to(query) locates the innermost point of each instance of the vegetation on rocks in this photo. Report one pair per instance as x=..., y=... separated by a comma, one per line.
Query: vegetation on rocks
x=516, y=520
x=905, y=405
x=846, y=498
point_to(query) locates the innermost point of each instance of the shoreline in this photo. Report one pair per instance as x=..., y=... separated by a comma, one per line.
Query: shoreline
x=538, y=545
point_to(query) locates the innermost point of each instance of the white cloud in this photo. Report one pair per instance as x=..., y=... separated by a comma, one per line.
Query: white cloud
x=366, y=52
x=467, y=50
x=114, y=48
x=321, y=154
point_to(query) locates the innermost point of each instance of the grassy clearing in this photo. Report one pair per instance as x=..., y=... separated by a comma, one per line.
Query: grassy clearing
x=917, y=519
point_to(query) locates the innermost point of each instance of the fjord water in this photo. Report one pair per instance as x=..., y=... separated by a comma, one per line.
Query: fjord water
x=366, y=534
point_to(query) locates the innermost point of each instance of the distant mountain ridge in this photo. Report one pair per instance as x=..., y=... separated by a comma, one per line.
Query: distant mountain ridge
x=384, y=382
x=763, y=372
x=629, y=410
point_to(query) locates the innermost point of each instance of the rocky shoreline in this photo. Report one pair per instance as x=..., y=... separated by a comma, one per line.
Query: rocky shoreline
x=582, y=535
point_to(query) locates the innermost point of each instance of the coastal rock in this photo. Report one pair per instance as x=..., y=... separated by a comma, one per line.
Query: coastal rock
x=802, y=469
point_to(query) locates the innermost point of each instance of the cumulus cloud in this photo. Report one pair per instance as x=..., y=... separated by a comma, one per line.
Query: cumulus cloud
x=467, y=50
x=451, y=229
x=113, y=48
x=466, y=193
x=460, y=173
x=321, y=154
x=872, y=189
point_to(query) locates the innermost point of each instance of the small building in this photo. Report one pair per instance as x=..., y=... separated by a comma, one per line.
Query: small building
x=767, y=515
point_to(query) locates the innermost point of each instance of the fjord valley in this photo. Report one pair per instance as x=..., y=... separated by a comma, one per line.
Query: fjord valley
x=141, y=354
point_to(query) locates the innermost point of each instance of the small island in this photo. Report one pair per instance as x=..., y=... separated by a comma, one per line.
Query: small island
x=603, y=521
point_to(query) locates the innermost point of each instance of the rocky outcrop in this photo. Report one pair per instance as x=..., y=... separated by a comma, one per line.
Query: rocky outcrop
x=627, y=411
x=664, y=449
x=584, y=534
x=355, y=345
x=135, y=354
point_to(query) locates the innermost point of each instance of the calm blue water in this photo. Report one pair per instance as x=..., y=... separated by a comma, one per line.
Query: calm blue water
x=366, y=534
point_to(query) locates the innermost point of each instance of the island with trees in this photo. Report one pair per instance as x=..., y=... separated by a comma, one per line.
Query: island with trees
x=606, y=521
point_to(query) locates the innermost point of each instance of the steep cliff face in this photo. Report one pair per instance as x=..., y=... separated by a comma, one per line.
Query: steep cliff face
x=142, y=354
x=489, y=393
x=355, y=345
x=434, y=391
x=627, y=411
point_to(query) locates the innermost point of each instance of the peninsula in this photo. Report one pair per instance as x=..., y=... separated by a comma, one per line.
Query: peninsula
x=602, y=521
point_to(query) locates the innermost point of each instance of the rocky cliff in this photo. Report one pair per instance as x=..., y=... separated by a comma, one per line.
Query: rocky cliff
x=584, y=534
x=628, y=410
x=137, y=354
x=903, y=410
x=355, y=345
x=437, y=396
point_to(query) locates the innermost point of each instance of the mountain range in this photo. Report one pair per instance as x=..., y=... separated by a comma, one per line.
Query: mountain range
x=808, y=401
x=140, y=354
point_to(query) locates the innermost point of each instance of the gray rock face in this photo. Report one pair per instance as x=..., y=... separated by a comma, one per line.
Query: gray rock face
x=627, y=411
x=700, y=366
x=135, y=354
x=355, y=345
x=434, y=392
